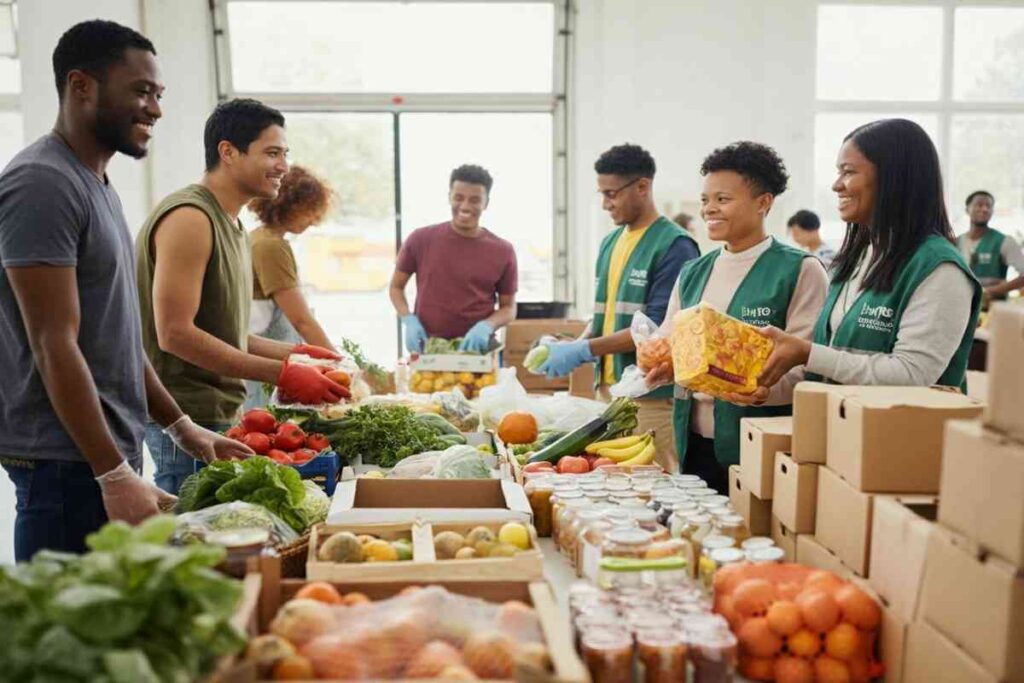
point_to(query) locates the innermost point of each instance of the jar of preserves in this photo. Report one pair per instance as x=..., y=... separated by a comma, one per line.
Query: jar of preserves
x=596, y=496
x=756, y=543
x=628, y=543
x=661, y=654
x=733, y=526
x=539, y=491
x=618, y=482
x=592, y=528
x=624, y=497
x=715, y=501
x=240, y=545
x=559, y=496
x=772, y=555
x=608, y=655
x=686, y=480
x=705, y=566
x=719, y=558
x=642, y=488
x=713, y=653
x=648, y=521
x=698, y=526
x=566, y=541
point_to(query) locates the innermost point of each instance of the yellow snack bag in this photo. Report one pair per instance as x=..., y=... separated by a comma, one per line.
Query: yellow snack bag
x=716, y=354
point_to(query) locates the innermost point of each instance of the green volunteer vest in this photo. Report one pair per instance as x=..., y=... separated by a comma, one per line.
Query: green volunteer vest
x=761, y=299
x=223, y=308
x=987, y=260
x=873, y=322
x=634, y=287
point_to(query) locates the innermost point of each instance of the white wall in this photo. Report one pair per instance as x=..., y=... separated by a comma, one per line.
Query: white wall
x=681, y=78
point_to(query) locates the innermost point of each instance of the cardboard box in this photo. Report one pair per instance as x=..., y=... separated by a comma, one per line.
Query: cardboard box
x=795, y=493
x=843, y=520
x=982, y=489
x=810, y=421
x=1005, y=369
x=784, y=538
x=889, y=439
x=757, y=512
x=976, y=601
x=581, y=381
x=760, y=439
x=811, y=553
x=892, y=644
x=977, y=385
x=930, y=657
x=533, y=383
x=899, y=538
x=425, y=566
x=521, y=334
x=363, y=501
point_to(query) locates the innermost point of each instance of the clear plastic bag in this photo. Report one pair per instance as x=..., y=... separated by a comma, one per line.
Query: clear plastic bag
x=416, y=466
x=653, y=348
x=192, y=527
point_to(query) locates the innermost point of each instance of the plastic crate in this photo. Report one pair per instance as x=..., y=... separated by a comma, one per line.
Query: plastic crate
x=321, y=470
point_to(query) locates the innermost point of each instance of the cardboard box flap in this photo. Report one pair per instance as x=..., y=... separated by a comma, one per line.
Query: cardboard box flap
x=776, y=426
x=891, y=398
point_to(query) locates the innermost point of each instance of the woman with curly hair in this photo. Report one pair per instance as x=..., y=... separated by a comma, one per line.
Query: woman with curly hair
x=754, y=278
x=903, y=302
x=279, y=309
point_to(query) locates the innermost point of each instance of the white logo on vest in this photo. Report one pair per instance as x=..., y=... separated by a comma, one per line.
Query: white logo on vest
x=875, y=318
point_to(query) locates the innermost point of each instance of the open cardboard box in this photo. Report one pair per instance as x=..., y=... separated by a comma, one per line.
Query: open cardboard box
x=976, y=601
x=1005, y=370
x=931, y=657
x=982, y=488
x=795, y=494
x=362, y=501
x=760, y=439
x=757, y=512
x=525, y=565
x=271, y=591
x=899, y=539
x=889, y=439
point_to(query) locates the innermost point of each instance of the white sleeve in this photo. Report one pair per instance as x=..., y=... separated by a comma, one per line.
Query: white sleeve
x=1012, y=254
x=670, y=312
x=931, y=328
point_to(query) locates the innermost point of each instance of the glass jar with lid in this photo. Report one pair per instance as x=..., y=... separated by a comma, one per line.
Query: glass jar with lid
x=714, y=501
x=241, y=545
x=686, y=480
x=717, y=559
x=711, y=543
x=618, y=482
x=642, y=488
x=627, y=543
x=756, y=543
x=714, y=655
x=733, y=526
x=608, y=655
x=772, y=555
x=566, y=541
x=559, y=497
x=591, y=528
x=662, y=655
x=539, y=491
x=624, y=497
x=648, y=521
x=596, y=495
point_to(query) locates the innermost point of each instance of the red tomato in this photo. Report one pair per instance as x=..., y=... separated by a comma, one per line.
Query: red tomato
x=289, y=437
x=236, y=433
x=601, y=462
x=279, y=456
x=302, y=456
x=259, y=420
x=571, y=464
x=542, y=466
x=259, y=443
x=590, y=459
x=317, y=442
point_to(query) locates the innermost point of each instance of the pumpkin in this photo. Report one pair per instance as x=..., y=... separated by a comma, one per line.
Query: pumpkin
x=518, y=428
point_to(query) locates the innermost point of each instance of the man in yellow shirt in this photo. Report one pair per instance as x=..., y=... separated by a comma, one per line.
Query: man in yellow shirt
x=637, y=266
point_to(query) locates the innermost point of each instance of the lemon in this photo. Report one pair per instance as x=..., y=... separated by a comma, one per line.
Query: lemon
x=380, y=551
x=515, y=534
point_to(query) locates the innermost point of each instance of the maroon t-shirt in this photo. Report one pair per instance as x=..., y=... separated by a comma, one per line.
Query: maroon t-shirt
x=458, y=279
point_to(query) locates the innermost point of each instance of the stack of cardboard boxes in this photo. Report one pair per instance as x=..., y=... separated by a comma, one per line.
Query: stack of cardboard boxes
x=520, y=336
x=969, y=625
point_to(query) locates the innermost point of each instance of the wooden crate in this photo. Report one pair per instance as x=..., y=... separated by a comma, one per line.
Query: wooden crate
x=424, y=566
x=271, y=591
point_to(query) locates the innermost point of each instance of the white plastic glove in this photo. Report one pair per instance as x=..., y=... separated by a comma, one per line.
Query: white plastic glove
x=203, y=444
x=130, y=498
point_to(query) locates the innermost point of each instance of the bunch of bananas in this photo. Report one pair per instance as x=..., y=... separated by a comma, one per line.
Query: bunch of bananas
x=628, y=450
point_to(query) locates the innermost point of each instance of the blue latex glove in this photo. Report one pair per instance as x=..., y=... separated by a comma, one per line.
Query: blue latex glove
x=564, y=357
x=415, y=335
x=478, y=339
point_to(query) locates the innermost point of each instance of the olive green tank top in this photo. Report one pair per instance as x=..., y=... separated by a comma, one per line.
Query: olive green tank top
x=223, y=308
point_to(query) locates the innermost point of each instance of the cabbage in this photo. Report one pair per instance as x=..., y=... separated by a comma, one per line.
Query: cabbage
x=461, y=462
x=313, y=508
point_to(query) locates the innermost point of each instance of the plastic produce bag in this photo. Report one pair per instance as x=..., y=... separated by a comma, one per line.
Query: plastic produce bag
x=652, y=349
x=416, y=466
x=505, y=396
x=192, y=527
x=716, y=354
x=461, y=462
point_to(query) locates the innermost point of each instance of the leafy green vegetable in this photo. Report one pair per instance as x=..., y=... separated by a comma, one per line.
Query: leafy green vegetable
x=461, y=462
x=133, y=609
x=253, y=480
x=192, y=527
x=383, y=434
x=438, y=345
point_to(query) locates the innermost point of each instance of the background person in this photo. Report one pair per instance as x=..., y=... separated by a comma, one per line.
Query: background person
x=804, y=228
x=462, y=271
x=988, y=251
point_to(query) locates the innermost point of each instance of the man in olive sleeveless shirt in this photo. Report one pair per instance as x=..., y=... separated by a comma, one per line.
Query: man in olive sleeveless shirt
x=195, y=286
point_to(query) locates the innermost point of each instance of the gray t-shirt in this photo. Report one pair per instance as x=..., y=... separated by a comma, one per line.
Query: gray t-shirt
x=55, y=212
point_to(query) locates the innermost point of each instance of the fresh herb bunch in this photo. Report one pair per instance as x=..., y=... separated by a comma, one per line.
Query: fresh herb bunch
x=384, y=434
x=376, y=373
x=132, y=609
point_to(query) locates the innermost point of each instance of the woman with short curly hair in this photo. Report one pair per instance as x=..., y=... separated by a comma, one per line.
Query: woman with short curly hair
x=754, y=278
x=279, y=308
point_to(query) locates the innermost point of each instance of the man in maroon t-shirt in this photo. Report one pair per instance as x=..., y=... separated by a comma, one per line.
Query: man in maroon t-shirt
x=462, y=270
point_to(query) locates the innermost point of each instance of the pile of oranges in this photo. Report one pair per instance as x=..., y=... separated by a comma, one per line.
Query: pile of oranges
x=798, y=625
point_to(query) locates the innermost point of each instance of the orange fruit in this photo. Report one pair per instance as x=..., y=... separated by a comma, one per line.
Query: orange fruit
x=518, y=620
x=803, y=643
x=320, y=590
x=818, y=610
x=757, y=668
x=793, y=670
x=490, y=655
x=858, y=607
x=432, y=659
x=353, y=599
x=517, y=428
x=293, y=668
x=753, y=597
x=787, y=590
x=860, y=670
x=336, y=656
x=842, y=642
x=784, y=617
x=757, y=639
x=726, y=607
x=824, y=580
x=457, y=673
x=339, y=376
x=301, y=620
x=728, y=577
x=828, y=670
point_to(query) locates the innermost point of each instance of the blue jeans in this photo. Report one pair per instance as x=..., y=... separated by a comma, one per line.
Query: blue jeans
x=173, y=465
x=58, y=504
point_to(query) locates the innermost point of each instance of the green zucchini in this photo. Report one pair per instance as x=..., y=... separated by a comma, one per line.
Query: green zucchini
x=572, y=443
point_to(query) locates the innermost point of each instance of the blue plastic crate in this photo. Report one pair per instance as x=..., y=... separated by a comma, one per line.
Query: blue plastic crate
x=321, y=470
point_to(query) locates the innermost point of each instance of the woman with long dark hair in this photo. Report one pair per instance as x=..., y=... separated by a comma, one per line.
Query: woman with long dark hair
x=903, y=304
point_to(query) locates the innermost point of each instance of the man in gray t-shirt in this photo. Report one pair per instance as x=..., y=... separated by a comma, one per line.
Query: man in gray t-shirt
x=76, y=383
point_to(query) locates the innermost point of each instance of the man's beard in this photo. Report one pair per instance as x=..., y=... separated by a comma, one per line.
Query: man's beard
x=115, y=134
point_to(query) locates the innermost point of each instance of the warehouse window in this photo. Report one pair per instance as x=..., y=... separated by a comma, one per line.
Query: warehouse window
x=11, y=132
x=385, y=99
x=956, y=69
